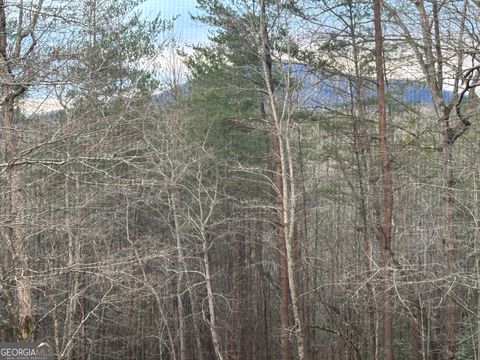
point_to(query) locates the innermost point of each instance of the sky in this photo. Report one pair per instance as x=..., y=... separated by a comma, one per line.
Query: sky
x=186, y=30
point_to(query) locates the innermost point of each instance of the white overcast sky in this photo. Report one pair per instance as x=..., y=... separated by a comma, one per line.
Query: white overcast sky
x=187, y=30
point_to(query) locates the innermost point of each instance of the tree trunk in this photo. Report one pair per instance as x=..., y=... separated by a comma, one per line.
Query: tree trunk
x=448, y=203
x=239, y=316
x=289, y=218
x=15, y=80
x=279, y=201
x=182, y=328
x=16, y=247
x=282, y=248
x=280, y=231
x=285, y=194
x=211, y=301
x=363, y=157
x=387, y=209
x=74, y=255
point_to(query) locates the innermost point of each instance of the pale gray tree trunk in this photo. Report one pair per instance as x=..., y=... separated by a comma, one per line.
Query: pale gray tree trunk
x=285, y=187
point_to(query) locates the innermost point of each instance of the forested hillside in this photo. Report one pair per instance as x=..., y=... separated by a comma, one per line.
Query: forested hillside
x=306, y=185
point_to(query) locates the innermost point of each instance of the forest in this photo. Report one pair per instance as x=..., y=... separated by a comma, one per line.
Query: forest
x=304, y=185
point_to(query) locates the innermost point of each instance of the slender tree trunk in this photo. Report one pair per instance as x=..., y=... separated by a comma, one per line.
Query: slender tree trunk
x=203, y=221
x=264, y=297
x=386, y=226
x=452, y=311
x=239, y=316
x=74, y=254
x=416, y=337
x=211, y=300
x=196, y=326
x=362, y=141
x=289, y=218
x=303, y=270
x=282, y=247
x=180, y=282
x=362, y=144
x=476, y=213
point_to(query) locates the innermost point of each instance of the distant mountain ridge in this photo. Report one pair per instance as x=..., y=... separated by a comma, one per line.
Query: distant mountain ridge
x=317, y=90
x=331, y=90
